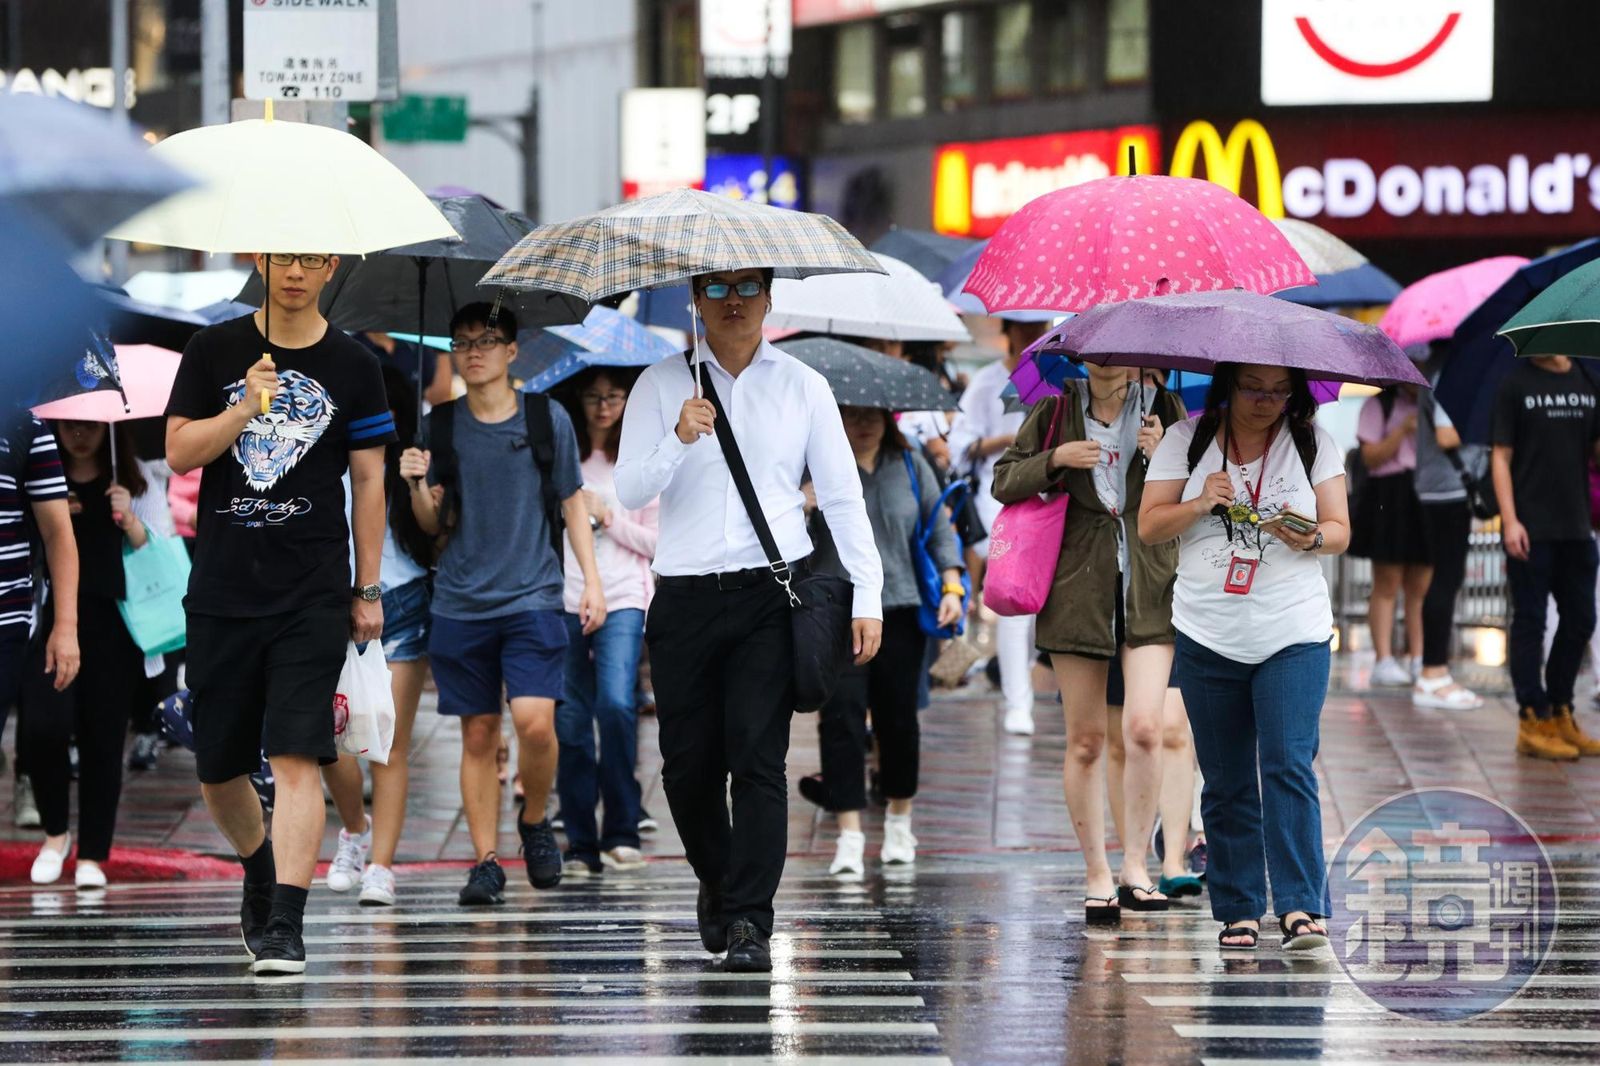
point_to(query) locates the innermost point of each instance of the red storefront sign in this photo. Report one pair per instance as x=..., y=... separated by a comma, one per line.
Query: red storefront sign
x=979, y=184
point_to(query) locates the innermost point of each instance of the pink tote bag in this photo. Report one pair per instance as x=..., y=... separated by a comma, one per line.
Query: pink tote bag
x=1024, y=546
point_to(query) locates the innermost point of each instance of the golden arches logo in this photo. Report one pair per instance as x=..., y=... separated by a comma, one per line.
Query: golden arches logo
x=1224, y=159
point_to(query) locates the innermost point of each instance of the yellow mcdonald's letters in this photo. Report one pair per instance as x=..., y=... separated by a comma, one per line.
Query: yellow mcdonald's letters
x=1224, y=160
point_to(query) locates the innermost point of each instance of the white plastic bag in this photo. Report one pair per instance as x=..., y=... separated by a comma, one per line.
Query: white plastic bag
x=363, y=706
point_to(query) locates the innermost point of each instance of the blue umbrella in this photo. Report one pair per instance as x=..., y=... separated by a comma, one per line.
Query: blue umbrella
x=549, y=356
x=952, y=279
x=667, y=307
x=1362, y=286
x=1477, y=361
x=45, y=311
x=68, y=166
x=1190, y=385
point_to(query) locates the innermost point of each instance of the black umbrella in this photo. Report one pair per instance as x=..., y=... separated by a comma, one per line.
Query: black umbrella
x=930, y=254
x=861, y=377
x=406, y=288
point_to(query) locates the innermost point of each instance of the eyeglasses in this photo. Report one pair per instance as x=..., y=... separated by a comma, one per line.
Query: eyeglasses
x=310, y=262
x=609, y=399
x=1265, y=395
x=718, y=290
x=482, y=343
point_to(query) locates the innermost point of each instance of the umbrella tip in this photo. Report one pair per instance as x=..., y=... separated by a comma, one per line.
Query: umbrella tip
x=1133, y=163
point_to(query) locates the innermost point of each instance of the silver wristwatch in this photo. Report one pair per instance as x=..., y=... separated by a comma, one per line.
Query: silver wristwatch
x=1316, y=542
x=370, y=593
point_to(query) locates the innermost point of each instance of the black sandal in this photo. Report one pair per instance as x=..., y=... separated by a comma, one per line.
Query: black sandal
x=1238, y=930
x=1294, y=940
x=1101, y=910
x=1126, y=896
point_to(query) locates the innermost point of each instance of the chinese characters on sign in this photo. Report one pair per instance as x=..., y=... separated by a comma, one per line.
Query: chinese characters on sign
x=297, y=51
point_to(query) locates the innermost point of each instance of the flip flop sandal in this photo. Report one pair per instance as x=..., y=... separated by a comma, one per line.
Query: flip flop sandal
x=1293, y=940
x=1236, y=931
x=1101, y=910
x=1129, y=900
x=1180, y=886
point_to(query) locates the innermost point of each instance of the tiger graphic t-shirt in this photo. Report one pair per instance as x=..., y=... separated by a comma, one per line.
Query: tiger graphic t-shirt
x=271, y=532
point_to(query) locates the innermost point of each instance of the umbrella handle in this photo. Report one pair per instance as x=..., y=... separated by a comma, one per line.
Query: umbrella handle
x=266, y=397
x=266, y=311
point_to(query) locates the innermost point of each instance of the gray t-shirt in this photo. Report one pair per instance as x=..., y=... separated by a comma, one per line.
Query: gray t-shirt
x=499, y=561
x=1436, y=479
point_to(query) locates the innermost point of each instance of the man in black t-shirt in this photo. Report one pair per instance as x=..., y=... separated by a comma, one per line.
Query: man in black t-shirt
x=1546, y=423
x=270, y=602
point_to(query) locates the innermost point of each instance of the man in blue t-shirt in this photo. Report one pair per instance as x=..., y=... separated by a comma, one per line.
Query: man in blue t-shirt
x=498, y=623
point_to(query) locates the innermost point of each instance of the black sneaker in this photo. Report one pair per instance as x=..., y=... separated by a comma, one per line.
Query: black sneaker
x=558, y=823
x=814, y=789
x=747, y=950
x=145, y=748
x=282, y=950
x=587, y=865
x=253, y=915
x=541, y=852
x=708, y=912
x=647, y=824
x=485, y=885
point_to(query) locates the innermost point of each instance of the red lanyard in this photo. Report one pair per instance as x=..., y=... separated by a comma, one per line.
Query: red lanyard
x=1255, y=492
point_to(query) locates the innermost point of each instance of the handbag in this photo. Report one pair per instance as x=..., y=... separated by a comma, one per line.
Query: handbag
x=1481, y=500
x=819, y=603
x=930, y=579
x=363, y=704
x=1025, y=544
x=156, y=578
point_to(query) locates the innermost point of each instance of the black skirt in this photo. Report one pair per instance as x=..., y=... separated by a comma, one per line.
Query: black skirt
x=1388, y=525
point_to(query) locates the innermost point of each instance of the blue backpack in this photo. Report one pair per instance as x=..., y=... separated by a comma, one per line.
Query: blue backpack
x=930, y=581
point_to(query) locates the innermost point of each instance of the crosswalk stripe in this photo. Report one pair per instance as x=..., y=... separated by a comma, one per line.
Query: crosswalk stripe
x=414, y=918
x=168, y=1006
x=582, y=981
x=1406, y=1030
x=301, y=1034
x=234, y=955
x=627, y=936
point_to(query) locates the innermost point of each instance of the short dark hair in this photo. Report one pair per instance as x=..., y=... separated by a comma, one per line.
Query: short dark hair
x=478, y=314
x=766, y=277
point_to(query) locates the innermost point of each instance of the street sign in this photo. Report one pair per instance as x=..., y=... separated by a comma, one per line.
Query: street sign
x=663, y=141
x=426, y=118
x=296, y=51
x=738, y=38
x=733, y=114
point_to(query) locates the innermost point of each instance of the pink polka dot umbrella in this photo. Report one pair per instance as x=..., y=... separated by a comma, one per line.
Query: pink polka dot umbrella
x=1123, y=238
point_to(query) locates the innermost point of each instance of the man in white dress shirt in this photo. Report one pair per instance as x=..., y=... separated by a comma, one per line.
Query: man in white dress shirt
x=718, y=630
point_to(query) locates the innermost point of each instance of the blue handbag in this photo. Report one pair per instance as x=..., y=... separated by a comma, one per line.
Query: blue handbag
x=930, y=580
x=156, y=578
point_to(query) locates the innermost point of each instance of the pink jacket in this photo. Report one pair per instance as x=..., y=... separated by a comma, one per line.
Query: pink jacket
x=623, y=550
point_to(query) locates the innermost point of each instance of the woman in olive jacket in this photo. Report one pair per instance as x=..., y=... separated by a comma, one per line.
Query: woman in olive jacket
x=1111, y=595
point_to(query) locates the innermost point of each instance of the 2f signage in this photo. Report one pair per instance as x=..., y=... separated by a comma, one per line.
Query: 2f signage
x=733, y=114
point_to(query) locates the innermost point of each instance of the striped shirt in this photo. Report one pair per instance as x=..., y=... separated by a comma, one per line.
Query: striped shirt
x=24, y=481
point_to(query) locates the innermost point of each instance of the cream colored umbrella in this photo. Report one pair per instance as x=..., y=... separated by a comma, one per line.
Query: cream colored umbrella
x=897, y=305
x=1323, y=252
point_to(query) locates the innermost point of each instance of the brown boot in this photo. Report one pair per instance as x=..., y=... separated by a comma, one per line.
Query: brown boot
x=1538, y=737
x=1568, y=729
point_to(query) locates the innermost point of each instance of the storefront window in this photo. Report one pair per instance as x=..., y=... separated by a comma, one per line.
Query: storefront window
x=854, y=94
x=958, y=52
x=1065, y=27
x=1013, y=67
x=907, y=84
x=1128, y=40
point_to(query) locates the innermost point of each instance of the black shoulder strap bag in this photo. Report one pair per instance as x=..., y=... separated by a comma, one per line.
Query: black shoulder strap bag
x=819, y=603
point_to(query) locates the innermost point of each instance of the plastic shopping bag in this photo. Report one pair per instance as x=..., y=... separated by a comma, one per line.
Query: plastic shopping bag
x=363, y=706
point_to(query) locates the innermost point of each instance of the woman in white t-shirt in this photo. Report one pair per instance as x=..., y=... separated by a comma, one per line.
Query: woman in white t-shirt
x=1254, y=622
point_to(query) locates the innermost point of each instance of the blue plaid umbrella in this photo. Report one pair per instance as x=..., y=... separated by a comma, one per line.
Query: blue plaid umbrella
x=551, y=355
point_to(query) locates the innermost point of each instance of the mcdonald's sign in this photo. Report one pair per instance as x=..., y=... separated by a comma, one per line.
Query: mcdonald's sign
x=1225, y=158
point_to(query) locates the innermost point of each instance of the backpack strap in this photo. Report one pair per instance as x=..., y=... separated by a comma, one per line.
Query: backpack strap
x=441, y=443
x=542, y=443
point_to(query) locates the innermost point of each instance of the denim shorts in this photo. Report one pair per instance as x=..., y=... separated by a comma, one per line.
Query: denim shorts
x=407, y=620
x=475, y=659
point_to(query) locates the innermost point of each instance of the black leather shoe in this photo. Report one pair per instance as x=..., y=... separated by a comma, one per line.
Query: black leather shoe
x=747, y=950
x=708, y=911
x=253, y=915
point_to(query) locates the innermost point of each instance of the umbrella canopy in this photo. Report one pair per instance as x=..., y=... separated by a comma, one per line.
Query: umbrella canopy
x=861, y=377
x=926, y=252
x=1478, y=359
x=140, y=322
x=69, y=167
x=342, y=197
x=667, y=307
x=1322, y=251
x=1362, y=286
x=46, y=311
x=954, y=278
x=549, y=356
x=189, y=290
x=1040, y=374
x=1196, y=331
x=897, y=305
x=1431, y=309
x=1562, y=320
x=147, y=375
x=1122, y=238
x=669, y=238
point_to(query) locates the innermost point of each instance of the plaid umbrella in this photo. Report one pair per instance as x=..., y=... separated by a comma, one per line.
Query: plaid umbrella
x=549, y=356
x=861, y=377
x=671, y=237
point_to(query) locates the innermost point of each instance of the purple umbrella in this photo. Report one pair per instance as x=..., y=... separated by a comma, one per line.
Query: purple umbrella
x=1196, y=331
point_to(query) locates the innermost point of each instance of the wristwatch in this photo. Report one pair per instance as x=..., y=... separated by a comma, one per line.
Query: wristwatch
x=1316, y=542
x=370, y=593
x=594, y=524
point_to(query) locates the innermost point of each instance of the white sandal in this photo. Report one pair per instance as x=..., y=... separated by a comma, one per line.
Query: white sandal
x=1442, y=693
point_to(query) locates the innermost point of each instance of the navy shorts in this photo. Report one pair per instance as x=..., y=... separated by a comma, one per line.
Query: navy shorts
x=475, y=660
x=407, y=620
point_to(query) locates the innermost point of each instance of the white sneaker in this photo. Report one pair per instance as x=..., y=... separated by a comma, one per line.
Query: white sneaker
x=1389, y=673
x=377, y=886
x=850, y=857
x=47, y=867
x=89, y=875
x=1414, y=666
x=623, y=858
x=24, y=811
x=345, y=873
x=899, y=846
x=1019, y=721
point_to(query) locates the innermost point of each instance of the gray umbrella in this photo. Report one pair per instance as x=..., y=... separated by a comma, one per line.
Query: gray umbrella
x=861, y=377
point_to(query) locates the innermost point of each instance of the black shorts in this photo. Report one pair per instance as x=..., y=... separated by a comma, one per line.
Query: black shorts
x=264, y=684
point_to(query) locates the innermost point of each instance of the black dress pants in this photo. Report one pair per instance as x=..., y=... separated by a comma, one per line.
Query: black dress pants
x=722, y=663
x=888, y=686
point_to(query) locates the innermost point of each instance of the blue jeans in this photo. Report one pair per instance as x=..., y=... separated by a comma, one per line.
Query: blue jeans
x=1250, y=716
x=601, y=670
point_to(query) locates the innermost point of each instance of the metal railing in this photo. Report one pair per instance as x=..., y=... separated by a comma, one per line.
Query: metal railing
x=1481, y=602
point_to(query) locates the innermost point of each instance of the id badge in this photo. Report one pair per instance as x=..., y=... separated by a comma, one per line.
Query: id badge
x=1241, y=575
